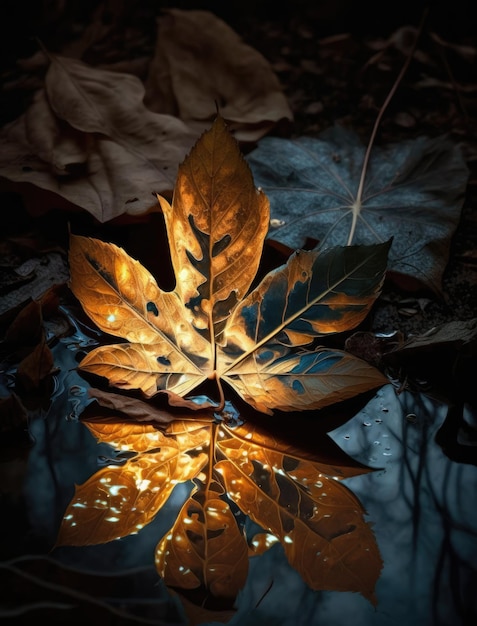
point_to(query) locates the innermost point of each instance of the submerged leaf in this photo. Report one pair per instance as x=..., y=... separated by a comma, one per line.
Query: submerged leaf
x=120, y=500
x=205, y=547
x=318, y=521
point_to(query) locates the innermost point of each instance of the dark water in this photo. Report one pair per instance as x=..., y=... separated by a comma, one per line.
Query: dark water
x=422, y=505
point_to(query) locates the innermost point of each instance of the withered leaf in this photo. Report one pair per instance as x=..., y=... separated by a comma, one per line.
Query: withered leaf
x=199, y=61
x=142, y=411
x=93, y=121
x=211, y=326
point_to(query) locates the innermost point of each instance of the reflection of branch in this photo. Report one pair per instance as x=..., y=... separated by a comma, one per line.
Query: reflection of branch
x=447, y=551
x=14, y=568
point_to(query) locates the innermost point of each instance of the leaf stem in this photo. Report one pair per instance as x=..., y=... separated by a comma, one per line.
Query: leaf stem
x=210, y=469
x=357, y=204
x=221, y=404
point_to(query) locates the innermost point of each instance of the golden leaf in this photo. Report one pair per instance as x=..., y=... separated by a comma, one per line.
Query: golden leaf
x=213, y=325
x=305, y=380
x=216, y=227
x=123, y=299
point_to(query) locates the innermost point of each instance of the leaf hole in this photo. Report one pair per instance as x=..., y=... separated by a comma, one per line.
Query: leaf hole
x=163, y=360
x=297, y=387
x=152, y=308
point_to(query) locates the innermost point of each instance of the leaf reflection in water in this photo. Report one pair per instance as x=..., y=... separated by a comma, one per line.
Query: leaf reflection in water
x=235, y=472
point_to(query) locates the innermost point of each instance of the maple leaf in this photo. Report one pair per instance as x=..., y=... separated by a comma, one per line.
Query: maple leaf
x=260, y=341
x=297, y=498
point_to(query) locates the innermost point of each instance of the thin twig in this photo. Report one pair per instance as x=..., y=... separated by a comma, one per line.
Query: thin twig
x=359, y=195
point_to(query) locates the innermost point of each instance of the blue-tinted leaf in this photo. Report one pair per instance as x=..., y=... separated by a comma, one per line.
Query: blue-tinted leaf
x=299, y=381
x=314, y=294
x=413, y=192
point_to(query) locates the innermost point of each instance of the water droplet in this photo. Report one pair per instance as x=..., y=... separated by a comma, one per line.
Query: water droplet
x=367, y=424
x=378, y=420
x=347, y=437
x=276, y=223
x=411, y=418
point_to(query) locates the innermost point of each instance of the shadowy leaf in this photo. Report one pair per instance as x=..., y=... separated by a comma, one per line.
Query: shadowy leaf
x=413, y=192
x=89, y=139
x=200, y=62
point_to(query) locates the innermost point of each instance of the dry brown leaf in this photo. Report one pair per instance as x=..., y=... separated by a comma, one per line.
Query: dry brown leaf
x=200, y=64
x=89, y=139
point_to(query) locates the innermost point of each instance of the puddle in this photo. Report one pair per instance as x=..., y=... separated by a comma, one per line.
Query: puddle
x=421, y=505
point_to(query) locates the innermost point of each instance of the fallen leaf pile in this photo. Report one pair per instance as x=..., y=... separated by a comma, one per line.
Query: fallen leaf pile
x=106, y=142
